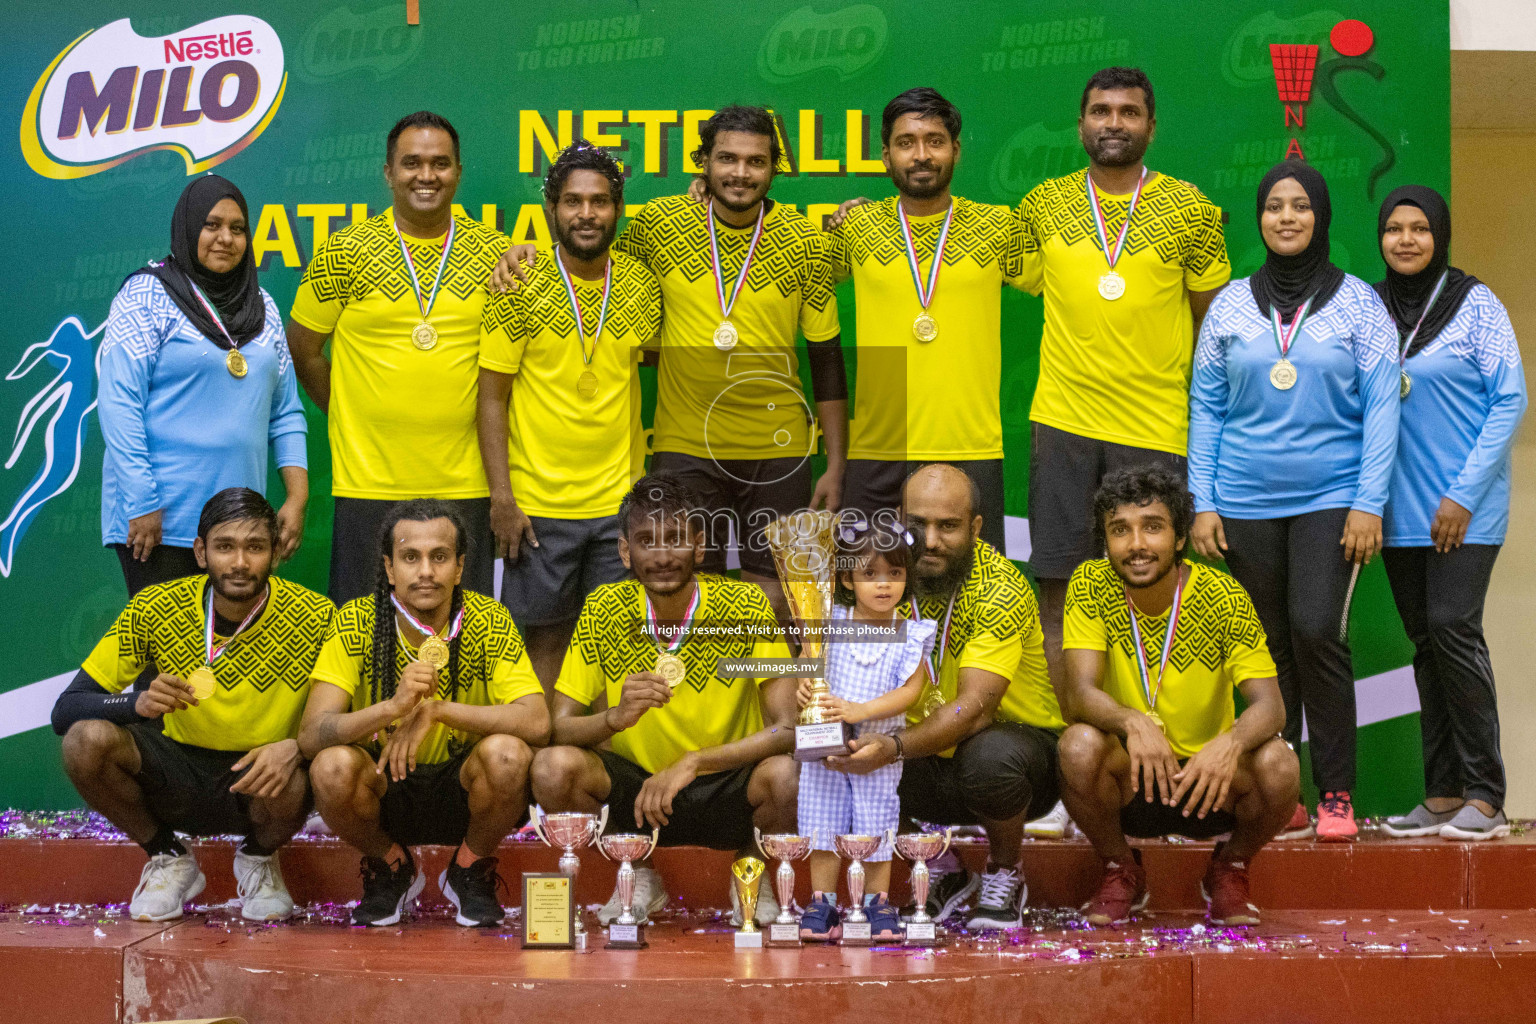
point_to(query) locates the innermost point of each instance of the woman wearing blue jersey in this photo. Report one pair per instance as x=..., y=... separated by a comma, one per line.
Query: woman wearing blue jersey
x=196, y=386
x=1463, y=393
x=1292, y=432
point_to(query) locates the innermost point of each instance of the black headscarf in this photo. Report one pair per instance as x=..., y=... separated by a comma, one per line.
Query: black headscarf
x=1285, y=282
x=1406, y=294
x=235, y=293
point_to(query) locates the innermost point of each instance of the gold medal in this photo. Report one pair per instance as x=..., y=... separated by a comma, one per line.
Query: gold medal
x=424, y=336
x=236, y=364
x=586, y=385
x=925, y=327
x=1283, y=375
x=1157, y=720
x=671, y=668
x=1405, y=385
x=1111, y=286
x=933, y=701
x=433, y=651
x=203, y=683
x=726, y=336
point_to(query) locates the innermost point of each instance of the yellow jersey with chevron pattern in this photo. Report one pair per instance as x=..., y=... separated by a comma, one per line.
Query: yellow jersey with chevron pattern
x=401, y=421
x=263, y=675
x=573, y=455
x=1119, y=370
x=705, y=710
x=747, y=403
x=493, y=666
x=996, y=627
x=928, y=400
x=1219, y=646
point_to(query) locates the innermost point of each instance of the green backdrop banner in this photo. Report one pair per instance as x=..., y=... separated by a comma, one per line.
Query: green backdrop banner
x=114, y=105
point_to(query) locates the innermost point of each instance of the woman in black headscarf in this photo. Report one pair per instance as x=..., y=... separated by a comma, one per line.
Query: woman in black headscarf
x=196, y=385
x=1293, y=426
x=1463, y=394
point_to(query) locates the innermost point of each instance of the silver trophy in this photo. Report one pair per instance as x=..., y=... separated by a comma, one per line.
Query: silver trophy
x=627, y=847
x=570, y=831
x=920, y=848
x=785, y=930
x=856, y=849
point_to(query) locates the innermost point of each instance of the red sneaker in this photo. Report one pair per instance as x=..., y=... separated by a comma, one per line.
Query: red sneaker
x=1123, y=892
x=1225, y=888
x=1299, y=827
x=1336, y=819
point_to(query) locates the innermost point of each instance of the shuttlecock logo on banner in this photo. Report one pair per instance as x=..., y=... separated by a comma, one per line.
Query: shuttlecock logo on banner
x=206, y=92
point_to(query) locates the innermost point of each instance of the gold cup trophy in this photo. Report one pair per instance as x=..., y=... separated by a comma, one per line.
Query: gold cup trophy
x=747, y=877
x=804, y=550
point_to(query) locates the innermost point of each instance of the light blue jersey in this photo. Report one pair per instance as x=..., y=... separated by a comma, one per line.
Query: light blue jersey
x=178, y=426
x=1257, y=452
x=1458, y=423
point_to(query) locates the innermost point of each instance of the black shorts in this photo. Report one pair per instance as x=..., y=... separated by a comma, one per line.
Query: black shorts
x=1065, y=471
x=1006, y=768
x=429, y=807
x=547, y=584
x=749, y=493
x=355, y=526
x=1154, y=820
x=712, y=810
x=872, y=484
x=187, y=787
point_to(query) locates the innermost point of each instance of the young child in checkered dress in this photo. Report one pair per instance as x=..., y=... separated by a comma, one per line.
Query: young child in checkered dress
x=873, y=682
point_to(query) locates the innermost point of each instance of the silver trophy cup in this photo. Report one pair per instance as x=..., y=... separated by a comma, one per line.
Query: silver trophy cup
x=569, y=831
x=626, y=848
x=856, y=849
x=787, y=849
x=920, y=848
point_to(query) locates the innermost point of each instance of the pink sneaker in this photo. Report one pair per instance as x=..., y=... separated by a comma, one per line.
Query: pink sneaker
x=1300, y=825
x=1336, y=819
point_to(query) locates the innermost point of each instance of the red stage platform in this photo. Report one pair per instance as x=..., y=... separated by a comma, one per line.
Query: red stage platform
x=1428, y=931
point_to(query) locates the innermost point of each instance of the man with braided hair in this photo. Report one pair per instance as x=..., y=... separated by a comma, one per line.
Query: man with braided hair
x=420, y=721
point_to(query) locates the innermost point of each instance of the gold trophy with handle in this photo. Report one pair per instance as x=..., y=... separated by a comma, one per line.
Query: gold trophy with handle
x=804, y=547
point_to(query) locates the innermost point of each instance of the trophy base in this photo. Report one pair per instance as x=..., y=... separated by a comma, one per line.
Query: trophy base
x=783, y=934
x=922, y=933
x=814, y=742
x=579, y=941
x=748, y=940
x=626, y=936
x=856, y=933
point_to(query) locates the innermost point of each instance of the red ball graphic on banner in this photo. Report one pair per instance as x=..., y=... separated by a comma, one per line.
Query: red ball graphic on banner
x=1351, y=38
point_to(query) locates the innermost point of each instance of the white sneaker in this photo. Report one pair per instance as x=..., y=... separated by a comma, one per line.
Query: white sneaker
x=166, y=882
x=650, y=896
x=263, y=896
x=1052, y=826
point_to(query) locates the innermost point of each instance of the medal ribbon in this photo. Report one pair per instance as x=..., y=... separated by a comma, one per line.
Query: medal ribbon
x=1098, y=218
x=925, y=296
x=746, y=264
x=410, y=264
x=1283, y=337
x=1407, y=343
x=941, y=644
x=653, y=629
x=602, y=316
x=214, y=313
x=1141, y=655
x=425, y=630
x=214, y=652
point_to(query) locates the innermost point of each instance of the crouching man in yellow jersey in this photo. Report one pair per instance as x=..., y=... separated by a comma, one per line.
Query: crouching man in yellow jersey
x=421, y=720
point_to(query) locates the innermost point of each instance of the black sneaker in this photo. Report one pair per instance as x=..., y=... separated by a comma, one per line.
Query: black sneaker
x=947, y=894
x=472, y=891
x=386, y=890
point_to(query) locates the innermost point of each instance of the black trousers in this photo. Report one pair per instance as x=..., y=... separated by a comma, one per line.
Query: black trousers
x=355, y=546
x=1295, y=571
x=1440, y=598
x=165, y=563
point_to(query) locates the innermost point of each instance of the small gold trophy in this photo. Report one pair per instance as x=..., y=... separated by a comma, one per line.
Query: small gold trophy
x=804, y=549
x=747, y=876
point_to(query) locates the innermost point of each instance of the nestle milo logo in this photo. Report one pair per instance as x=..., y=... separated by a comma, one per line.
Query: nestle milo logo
x=342, y=42
x=1245, y=57
x=1033, y=154
x=846, y=41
